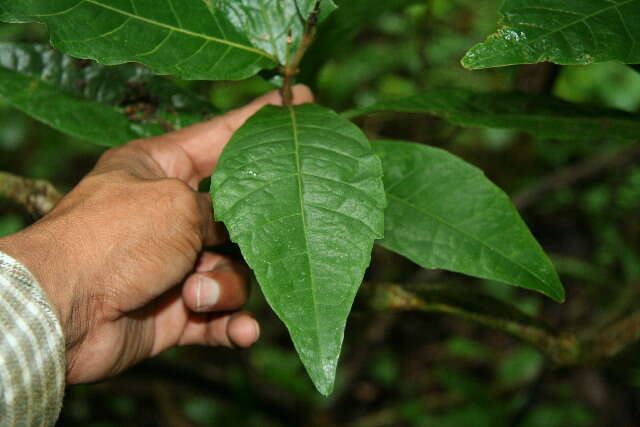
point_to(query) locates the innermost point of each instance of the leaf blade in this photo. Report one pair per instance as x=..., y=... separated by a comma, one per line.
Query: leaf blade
x=274, y=26
x=539, y=115
x=192, y=42
x=576, y=32
x=445, y=214
x=103, y=105
x=310, y=249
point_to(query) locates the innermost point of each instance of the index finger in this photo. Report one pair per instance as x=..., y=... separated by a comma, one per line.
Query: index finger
x=191, y=154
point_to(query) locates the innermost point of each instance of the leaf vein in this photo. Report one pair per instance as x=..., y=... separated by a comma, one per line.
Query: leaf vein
x=471, y=237
x=157, y=48
x=569, y=25
x=182, y=30
x=344, y=215
x=255, y=190
x=62, y=12
x=343, y=183
x=297, y=145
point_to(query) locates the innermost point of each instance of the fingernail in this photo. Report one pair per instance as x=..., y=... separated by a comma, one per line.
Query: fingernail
x=207, y=293
x=257, y=326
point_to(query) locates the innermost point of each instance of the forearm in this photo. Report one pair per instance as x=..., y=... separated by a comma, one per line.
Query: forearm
x=32, y=359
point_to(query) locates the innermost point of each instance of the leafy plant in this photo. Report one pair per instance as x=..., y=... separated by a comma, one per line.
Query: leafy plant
x=301, y=189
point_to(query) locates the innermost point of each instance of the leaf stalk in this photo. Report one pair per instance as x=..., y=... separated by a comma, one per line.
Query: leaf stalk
x=292, y=68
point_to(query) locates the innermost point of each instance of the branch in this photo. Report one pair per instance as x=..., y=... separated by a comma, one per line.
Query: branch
x=613, y=339
x=563, y=348
x=292, y=68
x=36, y=196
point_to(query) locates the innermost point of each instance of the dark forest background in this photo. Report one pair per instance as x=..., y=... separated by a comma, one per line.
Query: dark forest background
x=581, y=199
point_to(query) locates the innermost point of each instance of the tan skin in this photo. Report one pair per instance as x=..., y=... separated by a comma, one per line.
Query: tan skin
x=121, y=256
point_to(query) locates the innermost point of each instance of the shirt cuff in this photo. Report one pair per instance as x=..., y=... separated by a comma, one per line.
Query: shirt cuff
x=32, y=350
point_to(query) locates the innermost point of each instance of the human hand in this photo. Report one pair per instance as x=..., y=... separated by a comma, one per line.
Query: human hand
x=120, y=257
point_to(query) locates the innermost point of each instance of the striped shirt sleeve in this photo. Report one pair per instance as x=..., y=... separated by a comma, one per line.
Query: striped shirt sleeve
x=32, y=358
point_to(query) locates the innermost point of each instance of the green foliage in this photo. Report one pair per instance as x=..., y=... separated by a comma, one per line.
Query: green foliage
x=300, y=190
x=192, y=40
x=445, y=214
x=576, y=32
x=269, y=23
x=103, y=105
x=541, y=116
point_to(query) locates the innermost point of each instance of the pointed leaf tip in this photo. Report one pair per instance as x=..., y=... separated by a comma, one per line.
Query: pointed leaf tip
x=533, y=31
x=446, y=214
x=300, y=190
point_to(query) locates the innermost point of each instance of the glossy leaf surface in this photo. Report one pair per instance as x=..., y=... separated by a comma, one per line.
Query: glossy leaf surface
x=270, y=23
x=300, y=190
x=103, y=105
x=568, y=32
x=192, y=39
x=444, y=213
x=541, y=116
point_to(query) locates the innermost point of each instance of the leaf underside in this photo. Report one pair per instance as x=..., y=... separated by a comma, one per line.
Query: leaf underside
x=444, y=213
x=567, y=32
x=541, y=116
x=103, y=105
x=301, y=192
x=190, y=39
x=271, y=24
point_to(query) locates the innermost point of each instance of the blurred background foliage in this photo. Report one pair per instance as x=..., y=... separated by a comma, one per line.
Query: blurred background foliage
x=408, y=369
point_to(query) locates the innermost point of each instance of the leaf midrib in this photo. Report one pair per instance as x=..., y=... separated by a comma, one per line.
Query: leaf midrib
x=303, y=216
x=177, y=29
x=549, y=289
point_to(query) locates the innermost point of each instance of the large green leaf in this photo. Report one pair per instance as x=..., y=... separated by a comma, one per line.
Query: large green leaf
x=301, y=192
x=542, y=116
x=445, y=214
x=192, y=39
x=274, y=26
x=104, y=105
x=568, y=32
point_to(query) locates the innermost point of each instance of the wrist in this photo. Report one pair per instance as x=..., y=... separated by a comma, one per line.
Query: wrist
x=36, y=250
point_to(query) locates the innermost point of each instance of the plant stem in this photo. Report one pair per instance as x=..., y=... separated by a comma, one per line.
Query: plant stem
x=36, y=196
x=563, y=348
x=614, y=339
x=292, y=68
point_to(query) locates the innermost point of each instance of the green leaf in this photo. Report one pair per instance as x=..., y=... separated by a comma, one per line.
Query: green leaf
x=541, y=116
x=567, y=32
x=103, y=105
x=445, y=214
x=192, y=39
x=301, y=192
x=269, y=23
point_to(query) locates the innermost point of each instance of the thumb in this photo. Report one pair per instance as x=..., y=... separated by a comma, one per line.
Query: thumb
x=203, y=143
